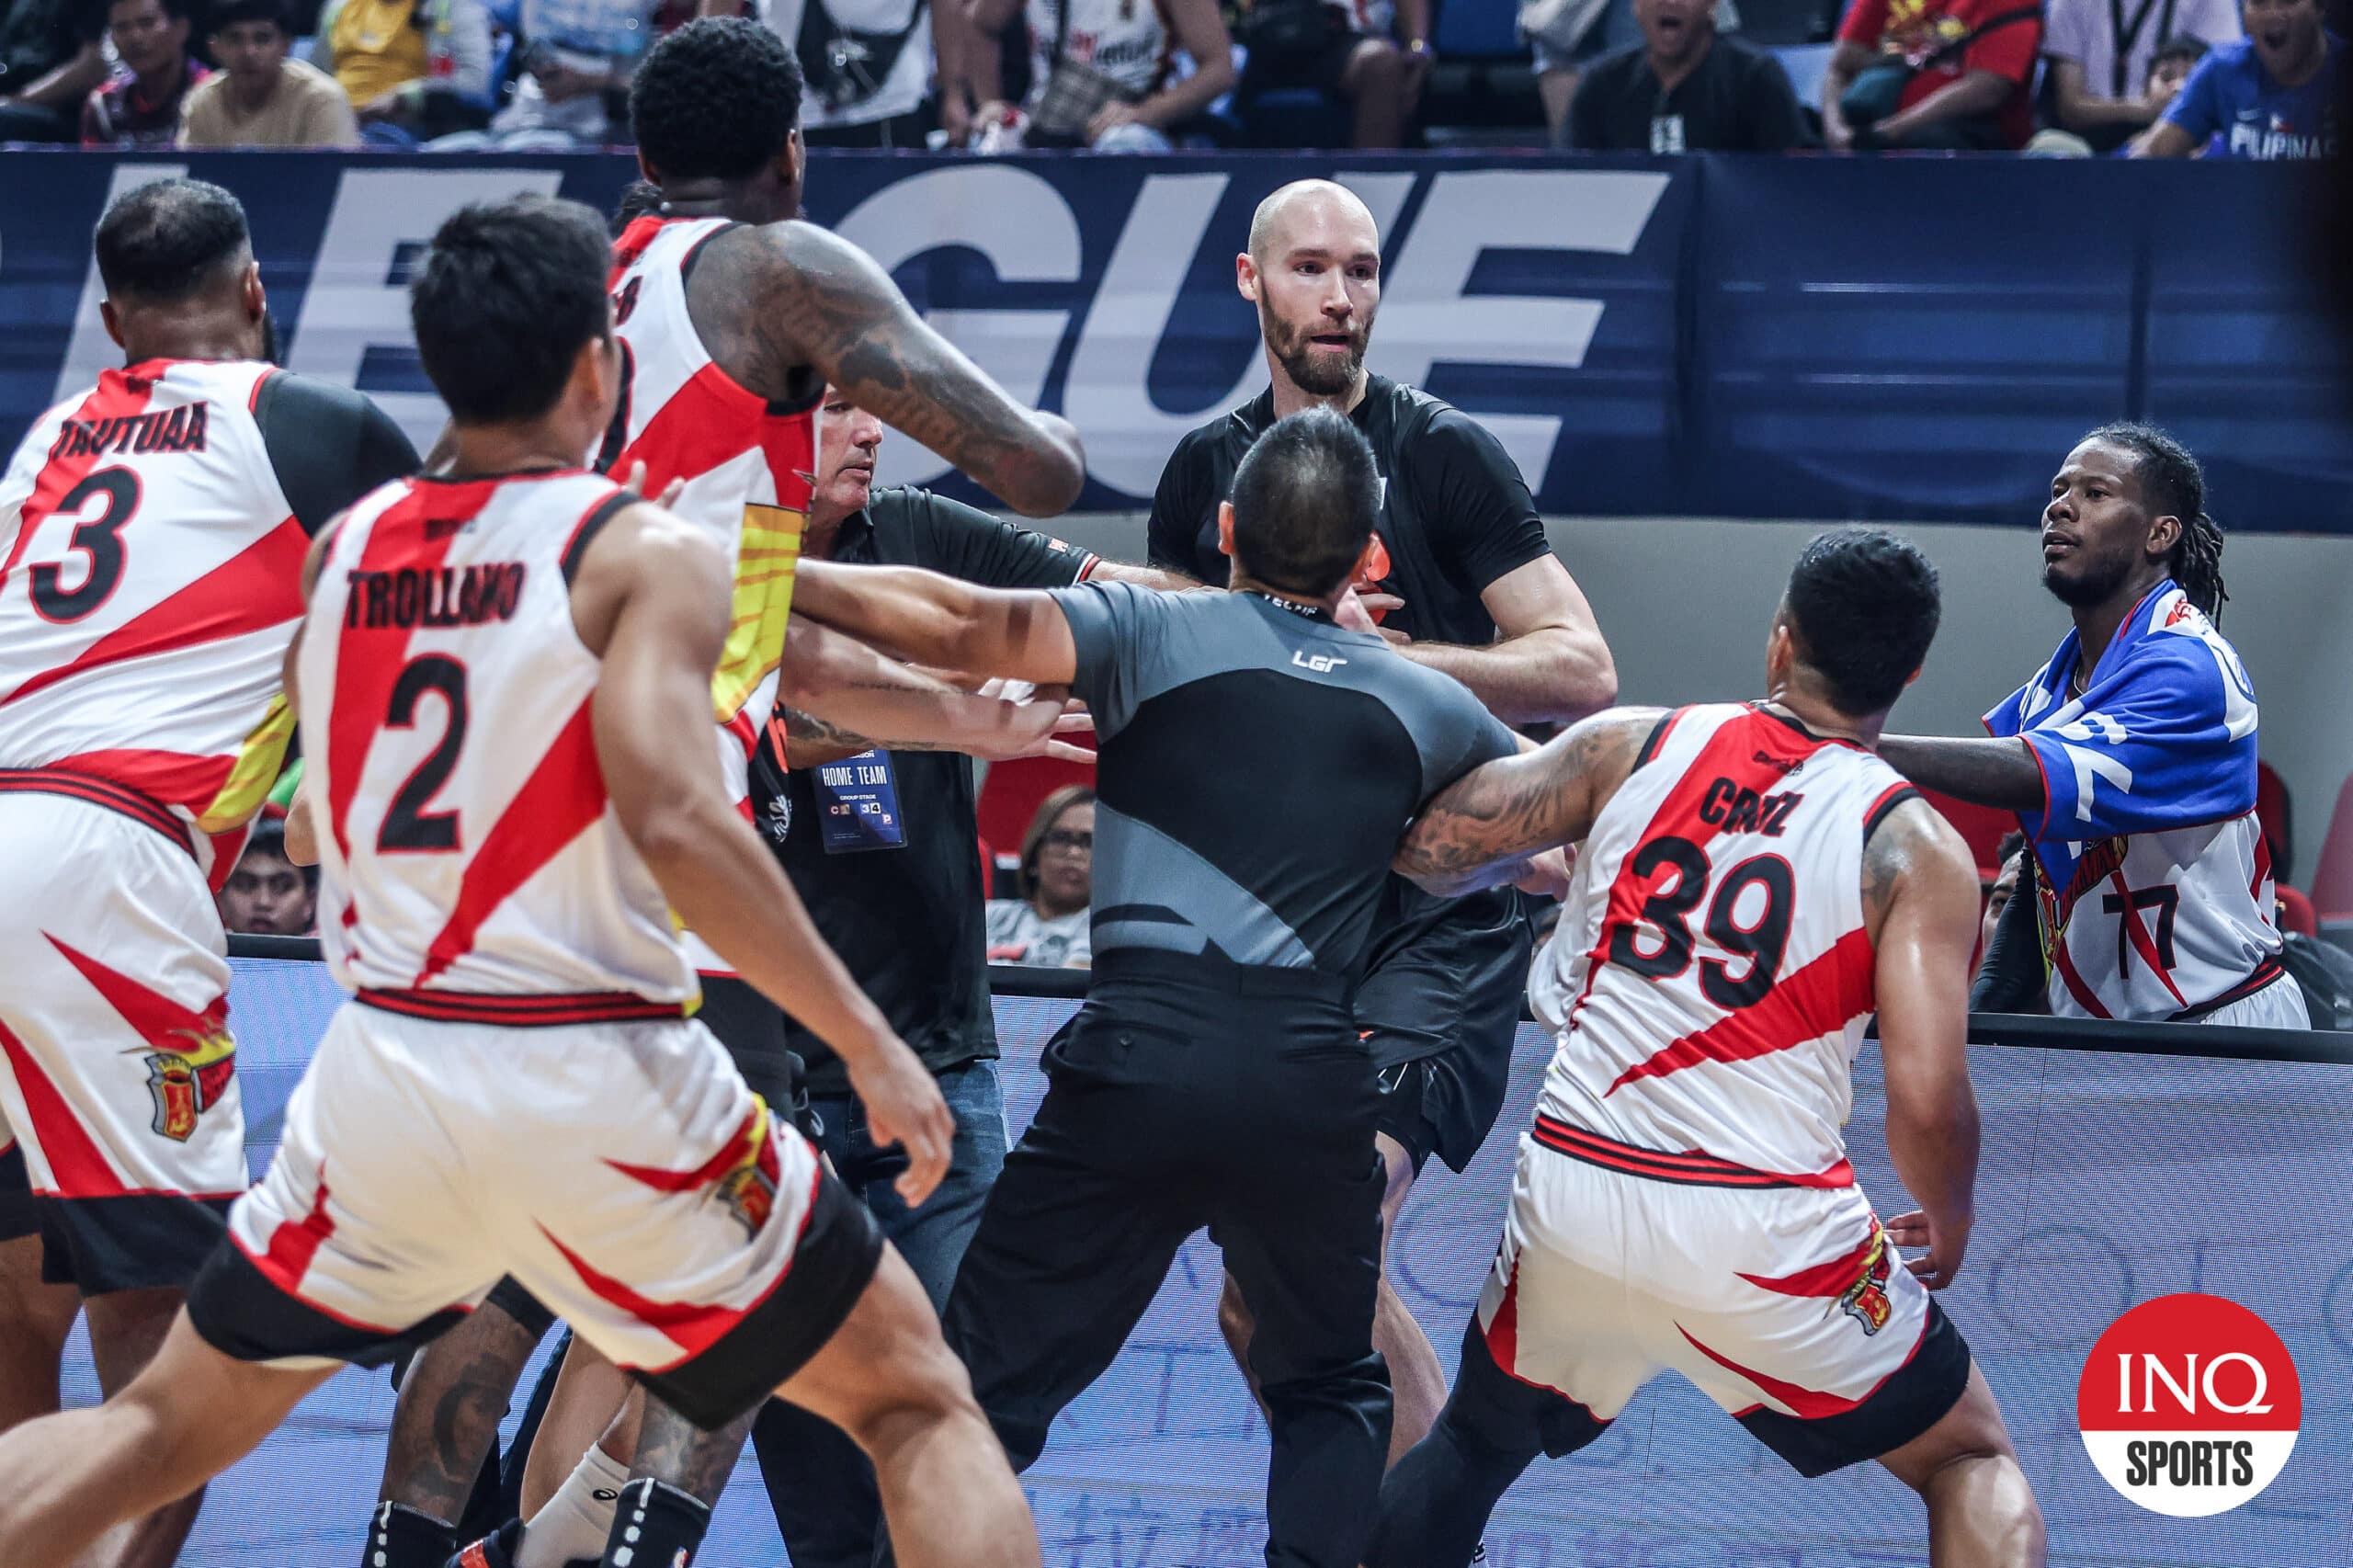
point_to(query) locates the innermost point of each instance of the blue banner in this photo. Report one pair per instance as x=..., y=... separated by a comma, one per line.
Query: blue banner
x=2106, y=1180
x=1907, y=339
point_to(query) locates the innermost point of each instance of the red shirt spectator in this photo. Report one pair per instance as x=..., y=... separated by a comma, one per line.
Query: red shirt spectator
x=1898, y=30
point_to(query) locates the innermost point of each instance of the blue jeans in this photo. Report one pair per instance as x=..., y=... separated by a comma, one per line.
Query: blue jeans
x=819, y=1483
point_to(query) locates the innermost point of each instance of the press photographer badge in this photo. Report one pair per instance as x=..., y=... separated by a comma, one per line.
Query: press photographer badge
x=2189, y=1405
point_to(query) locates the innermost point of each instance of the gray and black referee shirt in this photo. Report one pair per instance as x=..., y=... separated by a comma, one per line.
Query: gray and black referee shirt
x=1258, y=767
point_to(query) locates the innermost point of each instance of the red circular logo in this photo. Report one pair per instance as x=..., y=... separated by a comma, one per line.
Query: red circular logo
x=2189, y=1405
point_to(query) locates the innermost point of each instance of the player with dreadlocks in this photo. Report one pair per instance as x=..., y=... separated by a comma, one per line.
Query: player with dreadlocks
x=2130, y=758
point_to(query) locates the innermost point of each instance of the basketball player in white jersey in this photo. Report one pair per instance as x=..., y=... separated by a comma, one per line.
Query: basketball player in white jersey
x=2131, y=760
x=733, y=316
x=503, y=680
x=1753, y=883
x=152, y=530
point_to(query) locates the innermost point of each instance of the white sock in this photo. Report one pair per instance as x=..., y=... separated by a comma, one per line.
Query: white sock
x=578, y=1519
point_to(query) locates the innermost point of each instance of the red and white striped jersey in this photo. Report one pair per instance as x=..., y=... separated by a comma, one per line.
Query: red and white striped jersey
x=748, y=465
x=467, y=845
x=150, y=580
x=1711, y=974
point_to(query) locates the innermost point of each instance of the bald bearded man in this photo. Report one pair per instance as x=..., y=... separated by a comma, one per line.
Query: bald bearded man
x=1472, y=588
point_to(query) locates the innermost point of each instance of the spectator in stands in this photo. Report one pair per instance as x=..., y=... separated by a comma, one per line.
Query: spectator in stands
x=2267, y=96
x=419, y=66
x=1100, y=73
x=259, y=97
x=1951, y=74
x=1683, y=89
x=139, y=105
x=2104, y=55
x=868, y=66
x=1047, y=924
x=579, y=56
x=49, y=59
x=2008, y=857
x=1375, y=54
x=1565, y=36
x=268, y=894
x=2169, y=68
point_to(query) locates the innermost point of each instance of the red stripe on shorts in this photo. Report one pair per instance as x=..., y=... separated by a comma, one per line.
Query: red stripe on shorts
x=75, y=1162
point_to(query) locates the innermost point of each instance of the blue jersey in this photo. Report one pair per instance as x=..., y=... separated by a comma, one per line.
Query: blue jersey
x=2154, y=890
x=2231, y=97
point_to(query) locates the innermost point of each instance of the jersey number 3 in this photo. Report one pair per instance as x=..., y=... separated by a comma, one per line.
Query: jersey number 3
x=1761, y=941
x=99, y=538
x=409, y=826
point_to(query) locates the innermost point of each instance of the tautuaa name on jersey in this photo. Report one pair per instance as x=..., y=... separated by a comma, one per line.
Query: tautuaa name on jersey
x=176, y=430
x=446, y=596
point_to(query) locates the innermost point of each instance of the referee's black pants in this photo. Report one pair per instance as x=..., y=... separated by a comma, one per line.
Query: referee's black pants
x=1186, y=1093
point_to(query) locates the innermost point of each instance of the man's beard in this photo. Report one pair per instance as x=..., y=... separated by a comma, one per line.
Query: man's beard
x=268, y=338
x=2092, y=586
x=1316, y=373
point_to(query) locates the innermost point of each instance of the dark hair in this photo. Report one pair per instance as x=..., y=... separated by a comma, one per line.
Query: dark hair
x=169, y=239
x=502, y=302
x=2172, y=485
x=173, y=10
x=1305, y=499
x=641, y=198
x=717, y=99
x=2012, y=842
x=1863, y=606
x=1042, y=823
x=2185, y=47
x=228, y=13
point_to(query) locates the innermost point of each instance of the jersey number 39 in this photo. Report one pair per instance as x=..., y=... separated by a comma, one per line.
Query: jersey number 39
x=1761, y=941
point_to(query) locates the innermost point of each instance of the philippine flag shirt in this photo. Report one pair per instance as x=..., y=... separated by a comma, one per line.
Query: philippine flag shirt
x=2231, y=100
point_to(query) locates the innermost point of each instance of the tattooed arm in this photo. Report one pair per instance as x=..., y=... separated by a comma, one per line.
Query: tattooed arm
x=841, y=698
x=808, y=298
x=1998, y=771
x=1501, y=812
x=1920, y=907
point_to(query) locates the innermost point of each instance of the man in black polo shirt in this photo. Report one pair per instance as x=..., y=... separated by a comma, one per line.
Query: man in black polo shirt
x=1683, y=89
x=1469, y=588
x=882, y=846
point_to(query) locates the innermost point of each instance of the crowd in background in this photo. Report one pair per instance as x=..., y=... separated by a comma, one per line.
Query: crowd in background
x=2171, y=78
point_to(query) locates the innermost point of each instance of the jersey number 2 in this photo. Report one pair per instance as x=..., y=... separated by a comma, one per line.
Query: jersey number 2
x=100, y=538
x=1669, y=911
x=408, y=826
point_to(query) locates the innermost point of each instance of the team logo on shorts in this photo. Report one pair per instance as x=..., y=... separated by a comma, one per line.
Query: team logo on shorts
x=748, y=1188
x=186, y=1084
x=1865, y=1299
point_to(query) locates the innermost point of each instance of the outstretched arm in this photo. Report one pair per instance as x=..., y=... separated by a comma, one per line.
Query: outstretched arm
x=1155, y=577
x=820, y=300
x=1920, y=903
x=1992, y=770
x=929, y=620
x=652, y=599
x=839, y=698
x=1477, y=830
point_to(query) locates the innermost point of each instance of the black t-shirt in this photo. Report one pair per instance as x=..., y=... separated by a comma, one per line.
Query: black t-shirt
x=1737, y=99
x=907, y=918
x=1455, y=514
x=328, y=445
